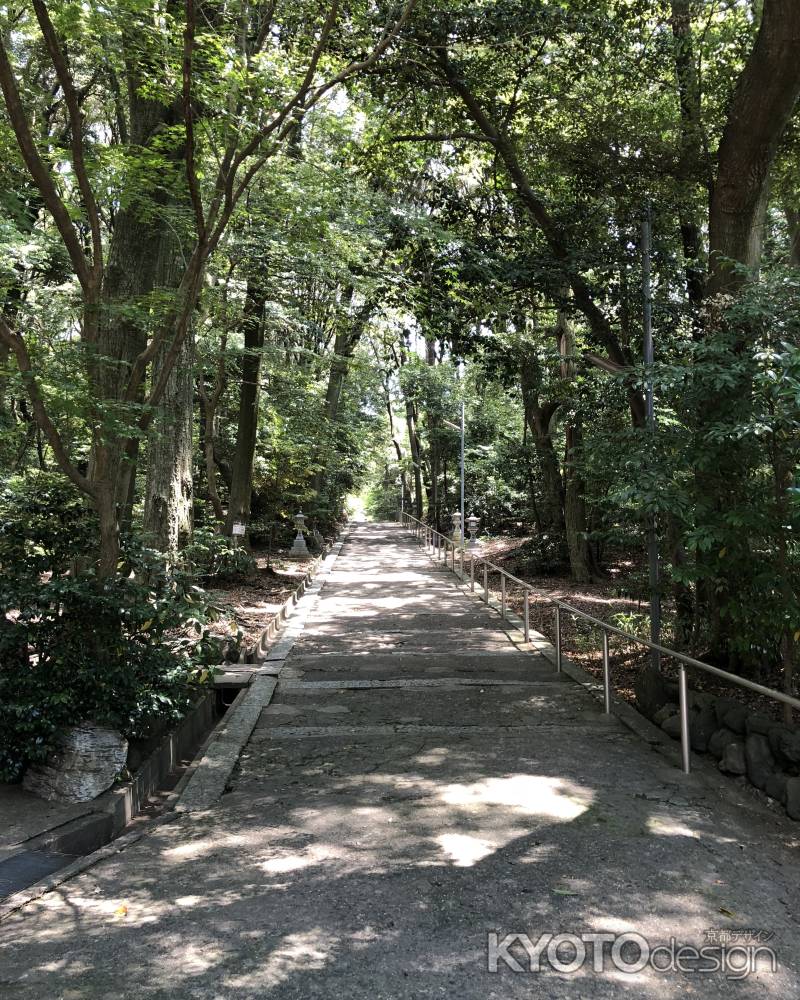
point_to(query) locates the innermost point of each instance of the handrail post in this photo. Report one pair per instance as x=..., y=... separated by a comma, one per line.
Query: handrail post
x=486, y=583
x=527, y=618
x=683, y=695
x=454, y=557
x=558, y=639
x=606, y=676
x=502, y=595
x=472, y=573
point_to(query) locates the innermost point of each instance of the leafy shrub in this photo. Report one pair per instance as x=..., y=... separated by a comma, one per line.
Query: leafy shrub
x=44, y=524
x=211, y=556
x=633, y=622
x=121, y=652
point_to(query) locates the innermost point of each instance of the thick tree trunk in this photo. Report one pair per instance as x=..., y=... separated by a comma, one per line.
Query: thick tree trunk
x=169, y=490
x=551, y=509
x=143, y=256
x=249, y=397
x=765, y=98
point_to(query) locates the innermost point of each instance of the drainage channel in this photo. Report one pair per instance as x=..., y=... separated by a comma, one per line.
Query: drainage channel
x=48, y=853
x=23, y=870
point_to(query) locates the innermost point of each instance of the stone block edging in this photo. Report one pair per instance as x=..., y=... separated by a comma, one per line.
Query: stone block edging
x=210, y=776
x=259, y=651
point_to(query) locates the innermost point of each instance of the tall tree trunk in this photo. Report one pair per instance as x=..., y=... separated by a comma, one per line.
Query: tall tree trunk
x=143, y=256
x=209, y=403
x=413, y=442
x=581, y=559
x=398, y=449
x=249, y=396
x=345, y=343
x=693, y=169
x=765, y=98
x=169, y=492
x=583, y=565
x=539, y=417
x=793, y=224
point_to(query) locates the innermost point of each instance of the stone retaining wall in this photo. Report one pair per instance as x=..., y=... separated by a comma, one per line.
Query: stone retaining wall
x=746, y=744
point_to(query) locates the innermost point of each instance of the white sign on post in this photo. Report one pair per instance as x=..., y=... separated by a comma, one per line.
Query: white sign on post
x=238, y=528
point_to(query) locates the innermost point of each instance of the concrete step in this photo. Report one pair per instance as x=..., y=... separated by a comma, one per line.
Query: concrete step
x=408, y=704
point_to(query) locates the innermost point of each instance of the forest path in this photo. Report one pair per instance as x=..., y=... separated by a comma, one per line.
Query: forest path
x=417, y=783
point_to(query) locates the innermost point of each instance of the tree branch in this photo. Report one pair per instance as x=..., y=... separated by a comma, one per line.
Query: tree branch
x=605, y=364
x=17, y=346
x=582, y=293
x=443, y=137
x=188, y=118
x=40, y=174
x=73, y=102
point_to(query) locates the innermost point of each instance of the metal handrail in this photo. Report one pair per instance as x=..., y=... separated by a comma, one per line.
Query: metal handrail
x=439, y=541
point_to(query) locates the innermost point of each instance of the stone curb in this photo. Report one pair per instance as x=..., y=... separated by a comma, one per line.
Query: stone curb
x=703, y=772
x=13, y=903
x=262, y=648
x=213, y=771
x=205, y=779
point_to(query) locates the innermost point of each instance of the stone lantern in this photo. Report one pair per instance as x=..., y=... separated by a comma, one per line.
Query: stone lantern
x=456, y=536
x=299, y=550
x=472, y=528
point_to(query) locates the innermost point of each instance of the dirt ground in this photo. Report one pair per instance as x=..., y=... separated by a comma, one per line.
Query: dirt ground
x=621, y=600
x=249, y=605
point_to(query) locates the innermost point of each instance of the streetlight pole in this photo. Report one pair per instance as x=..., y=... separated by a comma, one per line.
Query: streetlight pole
x=461, y=428
x=462, y=473
x=652, y=536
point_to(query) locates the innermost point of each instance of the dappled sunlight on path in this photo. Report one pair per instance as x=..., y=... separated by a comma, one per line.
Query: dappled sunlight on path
x=412, y=788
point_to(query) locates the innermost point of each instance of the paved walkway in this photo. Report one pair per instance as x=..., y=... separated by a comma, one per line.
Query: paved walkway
x=418, y=782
